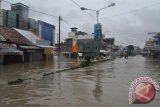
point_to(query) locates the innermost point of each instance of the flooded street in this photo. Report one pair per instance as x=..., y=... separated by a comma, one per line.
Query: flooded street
x=102, y=85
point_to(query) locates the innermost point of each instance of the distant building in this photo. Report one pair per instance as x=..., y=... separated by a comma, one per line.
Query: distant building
x=137, y=50
x=107, y=43
x=157, y=41
x=85, y=42
x=98, y=31
x=9, y=18
x=32, y=25
x=22, y=15
x=46, y=31
x=149, y=45
x=1, y=17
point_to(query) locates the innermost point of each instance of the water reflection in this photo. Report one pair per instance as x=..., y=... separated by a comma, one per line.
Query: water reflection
x=102, y=85
x=97, y=92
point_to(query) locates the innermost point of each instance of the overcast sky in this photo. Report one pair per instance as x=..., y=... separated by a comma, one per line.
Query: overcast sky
x=129, y=21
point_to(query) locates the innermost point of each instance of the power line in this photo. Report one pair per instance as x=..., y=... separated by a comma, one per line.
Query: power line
x=43, y=13
x=70, y=25
x=75, y=3
x=135, y=10
x=34, y=10
x=66, y=23
x=80, y=7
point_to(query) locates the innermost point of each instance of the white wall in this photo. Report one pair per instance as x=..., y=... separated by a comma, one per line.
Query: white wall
x=88, y=36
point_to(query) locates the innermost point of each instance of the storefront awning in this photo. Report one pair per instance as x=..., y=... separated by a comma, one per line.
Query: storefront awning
x=10, y=51
x=46, y=46
x=29, y=47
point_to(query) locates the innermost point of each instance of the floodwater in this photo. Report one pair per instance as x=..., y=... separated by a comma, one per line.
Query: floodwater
x=102, y=85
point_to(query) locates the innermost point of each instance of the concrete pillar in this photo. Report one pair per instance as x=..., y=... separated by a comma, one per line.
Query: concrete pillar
x=30, y=57
x=69, y=56
x=22, y=56
x=1, y=59
x=46, y=58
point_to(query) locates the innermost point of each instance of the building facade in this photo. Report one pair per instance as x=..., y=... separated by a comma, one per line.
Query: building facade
x=1, y=17
x=32, y=25
x=46, y=31
x=22, y=12
x=9, y=18
x=98, y=31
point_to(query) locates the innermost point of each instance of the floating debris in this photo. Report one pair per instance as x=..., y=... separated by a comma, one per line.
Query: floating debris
x=18, y=81
x=46, y=74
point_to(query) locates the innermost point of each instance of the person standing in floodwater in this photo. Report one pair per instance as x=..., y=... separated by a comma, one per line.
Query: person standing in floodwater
x=126, y=56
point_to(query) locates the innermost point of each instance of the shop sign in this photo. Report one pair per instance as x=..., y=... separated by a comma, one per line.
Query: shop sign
x=8, y=45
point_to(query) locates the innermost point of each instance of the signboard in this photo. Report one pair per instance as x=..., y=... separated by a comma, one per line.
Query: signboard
x=8, y=45
x=152, y=33
x=71, y=34
x=74, y=45
x=98, y=31
x=43, y=42
x=48, y=51
x=31, y=51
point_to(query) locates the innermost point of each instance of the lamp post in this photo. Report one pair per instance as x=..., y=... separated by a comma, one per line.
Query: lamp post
x=97, y=15
x=97, y=11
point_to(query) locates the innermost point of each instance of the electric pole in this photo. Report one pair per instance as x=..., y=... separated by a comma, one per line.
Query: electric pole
x=59, y=45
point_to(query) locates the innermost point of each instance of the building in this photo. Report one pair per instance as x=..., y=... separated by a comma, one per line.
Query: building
x=1, y=17
x=17, y=45
x=86, y=43
x=157, y=41
x=11, y=35
x=46, y=31
x=22, y=12
x=107, y=43
x=32, y=25
x=10, y=41
x=98, y=31
x=149, y=45
x=41, y=49
x=9, y=18
x=155, y=52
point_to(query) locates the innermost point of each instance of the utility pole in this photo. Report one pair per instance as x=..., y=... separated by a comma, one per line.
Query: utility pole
x=59, y=45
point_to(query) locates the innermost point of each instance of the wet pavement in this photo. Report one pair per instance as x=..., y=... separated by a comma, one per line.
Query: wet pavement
x=103, y=85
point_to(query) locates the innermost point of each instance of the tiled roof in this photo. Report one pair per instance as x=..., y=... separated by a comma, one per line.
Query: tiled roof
x=11, y=35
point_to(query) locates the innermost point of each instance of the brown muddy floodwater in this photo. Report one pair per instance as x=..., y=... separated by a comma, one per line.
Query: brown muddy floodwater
x=102, y=85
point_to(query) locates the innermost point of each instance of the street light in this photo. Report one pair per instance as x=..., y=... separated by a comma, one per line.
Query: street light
x=97, y=11
x=97, y=14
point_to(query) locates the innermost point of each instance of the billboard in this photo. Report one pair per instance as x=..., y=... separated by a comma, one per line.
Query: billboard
x=98, y=31
x=74, y=45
